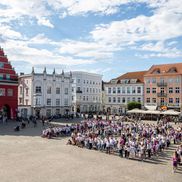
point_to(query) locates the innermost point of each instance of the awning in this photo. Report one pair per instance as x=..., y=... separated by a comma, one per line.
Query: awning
x=171, y=112
x=151, y=108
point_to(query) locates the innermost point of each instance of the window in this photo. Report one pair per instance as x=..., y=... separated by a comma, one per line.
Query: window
x=138, y=90
x=48, y=90
x=93, y=90
x=128, y=90
x=57, y=102
x=161, y=80
x=177, y=100
x=26, y=102
x=65, y=102
x=133, y=99
x=37, y=89
x=153, y=90
x=170, y=90
x=148, y=100
x=21, y=100
x=119, y=90
x=123, y=100
x=10, y=92
x=1, y=65
x=21, y=90
x=87, y=90
x=84, y=81
x=123, y=90
x=109, y=90
x=133, y=90
x=147, y=80
x=48, y=112
x=49, y=102
x=26, y=91
x=119, y=99
x=170, y=80
x=37, y=101
x=162, y=101
x=128, y=99
x=177, y=90
x=114, y=90
x=7, y=77
x=170, y=100
x=153, y=100
x=87, y=98
x=66, y=91
x=1, y=76
x=162, y=90
x=109, y=99
x=177, y=80
x=78, y=81
x=72, y=98
x=2, y=92
x=83, y=98
x=57, y=90
x=114, y=99
x=148, y=90
x=139, y=99
x=57, y=111
x=153, y=80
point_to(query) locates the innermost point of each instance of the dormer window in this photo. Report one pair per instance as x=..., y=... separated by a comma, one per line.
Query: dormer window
x=156, y=71
x=172, y=70
x=113, y=81
x=133, y=80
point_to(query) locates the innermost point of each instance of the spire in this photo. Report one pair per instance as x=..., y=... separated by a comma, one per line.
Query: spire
x=44, y=70
x=62, y=72
x=54, y=71
x=33, y=70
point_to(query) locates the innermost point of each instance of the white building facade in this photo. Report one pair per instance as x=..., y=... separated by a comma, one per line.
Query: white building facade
x=122, y=90
x=86, y=92
x=44, y=94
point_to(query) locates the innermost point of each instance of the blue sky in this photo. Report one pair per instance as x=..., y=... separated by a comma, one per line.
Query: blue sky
x=109, y=37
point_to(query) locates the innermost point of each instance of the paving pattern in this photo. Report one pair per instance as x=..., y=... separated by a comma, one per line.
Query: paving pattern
x=26, y=157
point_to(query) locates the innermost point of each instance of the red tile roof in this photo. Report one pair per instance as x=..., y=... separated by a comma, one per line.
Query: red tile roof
x=139, y=75
x=165, y=69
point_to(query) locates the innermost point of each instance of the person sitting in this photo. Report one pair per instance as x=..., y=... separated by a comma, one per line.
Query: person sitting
x=23, y=125
x=17, y=128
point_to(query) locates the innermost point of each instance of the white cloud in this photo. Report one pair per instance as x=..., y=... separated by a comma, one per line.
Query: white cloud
x=16, y=9
x=81, y=7
x=7, y=32
x=45, y=22
x=165, y=24
x=19, y=50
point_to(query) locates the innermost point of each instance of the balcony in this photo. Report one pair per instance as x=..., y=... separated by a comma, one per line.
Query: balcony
x=161, y=94
x=173, y=105
x=162, y=84
x=79, y=92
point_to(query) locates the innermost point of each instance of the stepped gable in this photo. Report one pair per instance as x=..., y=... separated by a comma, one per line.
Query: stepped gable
x=6, y=69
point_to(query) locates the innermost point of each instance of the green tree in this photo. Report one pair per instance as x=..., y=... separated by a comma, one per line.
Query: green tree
x=133, y=105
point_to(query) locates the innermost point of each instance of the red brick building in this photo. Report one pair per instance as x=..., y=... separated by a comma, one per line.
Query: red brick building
x=8, y=88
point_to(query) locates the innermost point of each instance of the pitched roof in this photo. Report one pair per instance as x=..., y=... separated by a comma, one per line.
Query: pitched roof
x=165, y=69
x=139, y=75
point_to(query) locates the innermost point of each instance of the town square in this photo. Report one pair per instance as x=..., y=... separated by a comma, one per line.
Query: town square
x=90, y=90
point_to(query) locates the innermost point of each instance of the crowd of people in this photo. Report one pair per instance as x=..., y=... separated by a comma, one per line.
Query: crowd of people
x=129, y=139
